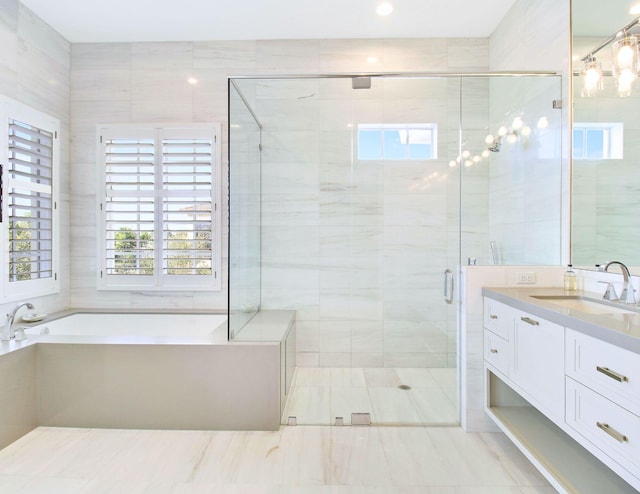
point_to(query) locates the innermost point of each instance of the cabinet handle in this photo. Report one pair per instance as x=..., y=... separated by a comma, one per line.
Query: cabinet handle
x=621, y=438
x=613, y=375
x=528, y=320
x=493, y=350
x=493, y=316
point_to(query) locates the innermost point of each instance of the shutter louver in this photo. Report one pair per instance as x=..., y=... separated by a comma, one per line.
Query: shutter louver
x=30, y=202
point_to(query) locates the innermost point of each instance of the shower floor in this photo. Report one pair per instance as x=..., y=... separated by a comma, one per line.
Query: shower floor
x=319, y=395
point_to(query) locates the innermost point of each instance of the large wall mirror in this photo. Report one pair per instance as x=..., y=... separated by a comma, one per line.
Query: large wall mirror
x=606, y=132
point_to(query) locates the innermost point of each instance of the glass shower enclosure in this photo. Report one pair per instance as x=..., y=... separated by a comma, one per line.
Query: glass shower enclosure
x=353, y=202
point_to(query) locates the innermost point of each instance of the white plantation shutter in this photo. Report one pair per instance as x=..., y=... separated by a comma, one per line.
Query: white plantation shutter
x=161, y=223
x=128, y=205
x=29, y=155
x=30, y=202
x=187, y=180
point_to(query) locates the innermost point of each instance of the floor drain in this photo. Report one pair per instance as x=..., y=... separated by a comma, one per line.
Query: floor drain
x=404, y=386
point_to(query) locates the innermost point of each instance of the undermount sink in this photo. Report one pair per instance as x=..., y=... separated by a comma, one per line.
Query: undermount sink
x=585, y=305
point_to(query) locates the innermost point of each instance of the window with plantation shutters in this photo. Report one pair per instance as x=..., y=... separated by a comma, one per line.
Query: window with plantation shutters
x=30, y=202
x=161, y=221
x=29, y=206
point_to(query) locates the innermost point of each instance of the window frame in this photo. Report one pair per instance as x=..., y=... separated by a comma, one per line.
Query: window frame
x=383, y=127
x=11, y=291
x=612, y=140
x=160, y=281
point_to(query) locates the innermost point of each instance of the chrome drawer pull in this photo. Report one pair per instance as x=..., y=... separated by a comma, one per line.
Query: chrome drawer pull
x=613, y=375
x=493, y=350
x=621, y=438
x=528, y=320
x=493, y=316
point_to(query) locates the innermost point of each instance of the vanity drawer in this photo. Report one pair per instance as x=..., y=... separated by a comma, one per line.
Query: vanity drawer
x=608, y=369
x=498, y=317
x=496, y=352
x=613, y=429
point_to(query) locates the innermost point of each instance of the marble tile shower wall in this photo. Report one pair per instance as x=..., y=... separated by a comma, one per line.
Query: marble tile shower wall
x=35, y=70
x=525, y=206
x=146, y=82
x=358, y=248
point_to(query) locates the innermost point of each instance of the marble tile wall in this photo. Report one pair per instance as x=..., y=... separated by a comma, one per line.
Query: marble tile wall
x=35, y=70
x=535, y=36
x=146, y=82
x=525, y=201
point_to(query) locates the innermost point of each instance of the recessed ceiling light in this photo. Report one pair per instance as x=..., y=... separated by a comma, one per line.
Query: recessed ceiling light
x=385, y=8
x=372, y=59
x=635, y=10
x=192, y=80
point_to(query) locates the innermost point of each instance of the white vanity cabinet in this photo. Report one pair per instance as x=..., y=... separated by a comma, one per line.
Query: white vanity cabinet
x=570, y=402
x=538, y=363
x=498, y=326
x=603, y=397
x=498, y=318
x=608, y=369
x=529, y=351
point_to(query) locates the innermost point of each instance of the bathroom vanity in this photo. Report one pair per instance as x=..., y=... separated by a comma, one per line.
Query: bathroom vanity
x=562, y=380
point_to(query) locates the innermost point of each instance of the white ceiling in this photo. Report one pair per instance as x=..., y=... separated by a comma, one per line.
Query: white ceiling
x=181, y=20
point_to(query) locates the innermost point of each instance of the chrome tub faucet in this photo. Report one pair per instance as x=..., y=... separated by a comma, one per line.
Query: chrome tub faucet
x=7, y=331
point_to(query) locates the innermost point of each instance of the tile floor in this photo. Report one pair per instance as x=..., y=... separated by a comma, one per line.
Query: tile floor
x=319, y=395
x=293, y=460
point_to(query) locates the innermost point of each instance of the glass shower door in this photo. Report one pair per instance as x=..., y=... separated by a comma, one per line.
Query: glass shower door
x=361, y=200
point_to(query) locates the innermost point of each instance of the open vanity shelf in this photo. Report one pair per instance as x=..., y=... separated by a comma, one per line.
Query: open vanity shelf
x=567, y=465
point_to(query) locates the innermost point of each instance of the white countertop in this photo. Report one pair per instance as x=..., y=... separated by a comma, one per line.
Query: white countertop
x=619, y=329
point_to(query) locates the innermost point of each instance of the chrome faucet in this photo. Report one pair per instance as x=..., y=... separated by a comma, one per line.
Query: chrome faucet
x=628, y=294
x=7, y=331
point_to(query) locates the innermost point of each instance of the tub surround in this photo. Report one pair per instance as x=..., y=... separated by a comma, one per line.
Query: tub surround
x=18, y=392
x=207, y=387
x=147, y=382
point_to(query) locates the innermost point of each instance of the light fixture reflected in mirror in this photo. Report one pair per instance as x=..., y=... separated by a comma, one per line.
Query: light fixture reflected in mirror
x=592, y=77
x=625, y=67
x=625, y=63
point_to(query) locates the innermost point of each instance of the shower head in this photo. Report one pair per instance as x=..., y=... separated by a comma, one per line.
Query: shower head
x=494, y=147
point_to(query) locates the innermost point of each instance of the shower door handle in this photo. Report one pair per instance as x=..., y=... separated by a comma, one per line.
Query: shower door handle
x=448, y=286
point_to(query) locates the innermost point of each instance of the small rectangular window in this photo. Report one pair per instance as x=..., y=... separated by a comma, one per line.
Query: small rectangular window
x=397, y=141
x=597, y=141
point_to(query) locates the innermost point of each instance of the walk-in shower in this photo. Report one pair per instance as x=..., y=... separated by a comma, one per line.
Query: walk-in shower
x=348, y=205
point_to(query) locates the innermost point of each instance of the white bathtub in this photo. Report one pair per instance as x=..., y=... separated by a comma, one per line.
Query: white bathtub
x=168, y=328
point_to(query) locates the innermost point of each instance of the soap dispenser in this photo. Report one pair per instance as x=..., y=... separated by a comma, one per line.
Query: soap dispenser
x=570, y=280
